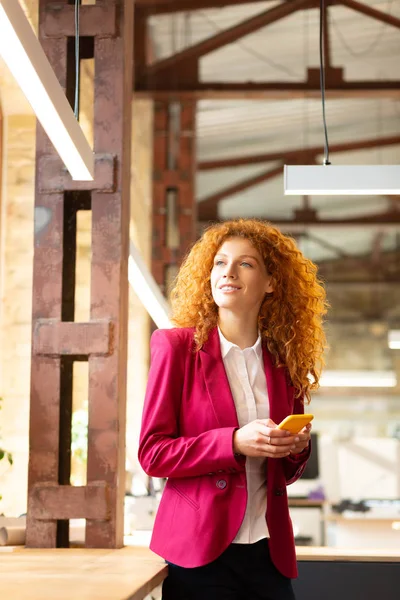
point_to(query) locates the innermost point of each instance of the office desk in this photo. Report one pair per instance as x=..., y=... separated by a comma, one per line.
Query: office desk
x=80, y=574
x=348, y=574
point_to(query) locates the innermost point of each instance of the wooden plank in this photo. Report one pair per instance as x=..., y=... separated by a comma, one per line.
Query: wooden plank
x=59, y=20
x=151, y=7
x=54, y=177
x=169, y=90
x=59, y=340
x=52, y=502
x=47, y=302
x=369, y=11
x=388, y=221
x=51, y=390
x=109, y=274
x=300, y=153
x=56, y=338
x=126, y=574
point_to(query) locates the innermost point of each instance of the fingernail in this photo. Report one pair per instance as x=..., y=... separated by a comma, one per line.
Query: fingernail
x=292, y=447
x=297, y=439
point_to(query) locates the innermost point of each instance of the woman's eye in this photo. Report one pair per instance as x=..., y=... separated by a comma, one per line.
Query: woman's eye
x=218, y=263
x=247, y=264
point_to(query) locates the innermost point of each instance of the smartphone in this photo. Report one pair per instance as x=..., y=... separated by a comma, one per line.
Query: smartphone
x=294, y=423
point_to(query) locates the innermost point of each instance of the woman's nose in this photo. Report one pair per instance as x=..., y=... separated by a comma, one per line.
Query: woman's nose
x=230, y=271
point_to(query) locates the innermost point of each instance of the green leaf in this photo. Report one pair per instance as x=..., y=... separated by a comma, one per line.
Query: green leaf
x=10, y=458
x=2, y=454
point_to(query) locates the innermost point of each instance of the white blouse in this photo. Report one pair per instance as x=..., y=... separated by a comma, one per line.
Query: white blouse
x=246, y=376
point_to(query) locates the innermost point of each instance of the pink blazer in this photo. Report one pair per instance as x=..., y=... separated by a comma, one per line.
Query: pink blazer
x=188, y=422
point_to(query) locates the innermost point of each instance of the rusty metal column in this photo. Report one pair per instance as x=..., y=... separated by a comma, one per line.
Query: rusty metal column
x=107, y=34
x=174, y=201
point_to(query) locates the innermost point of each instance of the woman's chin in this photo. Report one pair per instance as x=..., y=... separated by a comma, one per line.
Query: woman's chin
x=236, y=307
x=227, y=302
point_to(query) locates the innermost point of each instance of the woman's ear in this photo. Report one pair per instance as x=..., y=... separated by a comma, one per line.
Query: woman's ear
x=269, y=287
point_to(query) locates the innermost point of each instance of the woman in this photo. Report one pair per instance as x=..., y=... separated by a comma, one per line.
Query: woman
x=248, y=310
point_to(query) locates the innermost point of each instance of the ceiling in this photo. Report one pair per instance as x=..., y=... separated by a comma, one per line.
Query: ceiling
x=367, y=49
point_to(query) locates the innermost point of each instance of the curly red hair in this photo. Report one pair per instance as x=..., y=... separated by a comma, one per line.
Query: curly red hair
x=290, y=319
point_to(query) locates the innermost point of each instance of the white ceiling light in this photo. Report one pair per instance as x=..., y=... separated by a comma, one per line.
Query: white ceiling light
x=358, y=379
x=394, y=339
x=147, y=290
x=28, y=63
x=329, y=180
x=314, y=180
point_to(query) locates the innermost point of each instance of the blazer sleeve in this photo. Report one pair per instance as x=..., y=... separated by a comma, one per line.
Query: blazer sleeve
x=162, y=451
x=294, y=465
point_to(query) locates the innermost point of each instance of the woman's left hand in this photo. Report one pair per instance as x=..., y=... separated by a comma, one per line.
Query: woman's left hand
x=304, y=439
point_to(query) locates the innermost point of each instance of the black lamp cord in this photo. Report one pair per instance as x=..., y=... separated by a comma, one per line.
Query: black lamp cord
x=322, y=24
x=77, y=60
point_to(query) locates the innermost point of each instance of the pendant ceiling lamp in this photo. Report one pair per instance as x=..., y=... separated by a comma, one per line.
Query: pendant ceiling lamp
x=336, y=180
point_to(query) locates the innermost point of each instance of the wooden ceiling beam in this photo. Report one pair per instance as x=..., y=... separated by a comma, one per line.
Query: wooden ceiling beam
x=169, y=90
x=228, y=36
x=294, y=156
x=152, y=7
x=368, y=11
x=388, y=220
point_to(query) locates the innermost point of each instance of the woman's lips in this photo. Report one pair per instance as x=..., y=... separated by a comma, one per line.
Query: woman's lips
x=229, y=289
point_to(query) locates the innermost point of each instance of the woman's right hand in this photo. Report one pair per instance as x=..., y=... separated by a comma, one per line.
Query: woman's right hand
x=262, y=438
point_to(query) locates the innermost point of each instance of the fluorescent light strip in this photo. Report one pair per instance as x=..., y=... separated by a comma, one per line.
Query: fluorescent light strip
x=336, y=180
x=147, y=290
x=28, y=63
x=362, y=379
x=394, y=339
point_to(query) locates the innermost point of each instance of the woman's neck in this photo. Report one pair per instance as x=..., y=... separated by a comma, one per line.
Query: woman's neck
x=240, y=330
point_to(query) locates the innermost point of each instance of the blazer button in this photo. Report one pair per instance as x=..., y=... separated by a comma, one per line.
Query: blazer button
x=221, y=484
x=279, y=492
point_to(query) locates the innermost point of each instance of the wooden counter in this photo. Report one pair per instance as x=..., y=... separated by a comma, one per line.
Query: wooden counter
x=347, y=573
x=131, y=573
x=81, y=574
x=315, y=553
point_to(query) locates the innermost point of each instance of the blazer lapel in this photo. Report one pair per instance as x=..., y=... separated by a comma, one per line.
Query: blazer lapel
x=217, y=383
x=277, y=389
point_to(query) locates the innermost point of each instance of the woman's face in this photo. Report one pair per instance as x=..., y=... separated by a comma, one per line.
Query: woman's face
x=239, y=280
